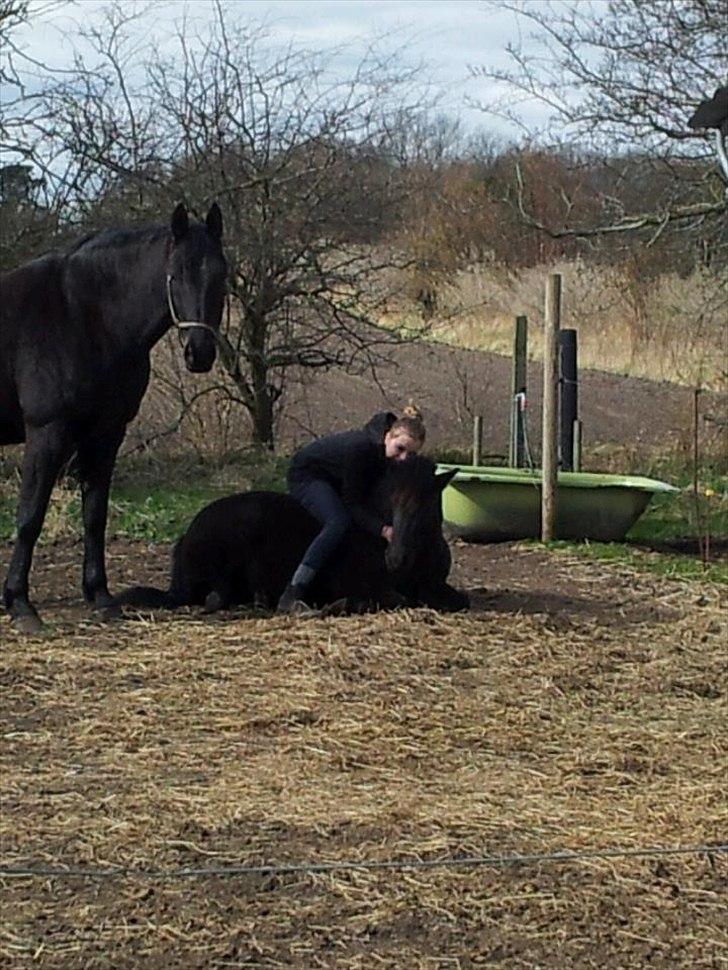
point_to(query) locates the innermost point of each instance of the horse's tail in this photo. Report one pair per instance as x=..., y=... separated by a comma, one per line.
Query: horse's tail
x=148, y=596
x=154, y=598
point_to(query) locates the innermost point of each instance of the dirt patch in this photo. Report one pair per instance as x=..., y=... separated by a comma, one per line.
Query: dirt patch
x=501, y=578
x=578, y=706
x=507, y=578
x=452, y=384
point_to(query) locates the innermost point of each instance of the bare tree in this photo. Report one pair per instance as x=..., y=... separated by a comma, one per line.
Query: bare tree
x=24, y=85
x=306, y=166
x=13, y=14
x=621, y=81
x=30, y=193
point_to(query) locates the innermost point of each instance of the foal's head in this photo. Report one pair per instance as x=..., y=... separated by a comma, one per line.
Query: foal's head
x=196, y=271
x=414, y=492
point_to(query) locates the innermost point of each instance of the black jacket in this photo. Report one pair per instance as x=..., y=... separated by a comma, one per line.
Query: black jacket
x=351, y=462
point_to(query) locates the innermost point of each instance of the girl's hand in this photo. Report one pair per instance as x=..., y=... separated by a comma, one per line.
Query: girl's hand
x=387, y=532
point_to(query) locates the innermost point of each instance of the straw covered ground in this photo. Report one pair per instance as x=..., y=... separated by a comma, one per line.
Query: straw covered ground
x=578, y=706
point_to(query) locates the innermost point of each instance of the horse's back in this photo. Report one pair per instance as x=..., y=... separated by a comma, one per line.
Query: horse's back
x=250, y=514
x=245, y=545
x=29, y=293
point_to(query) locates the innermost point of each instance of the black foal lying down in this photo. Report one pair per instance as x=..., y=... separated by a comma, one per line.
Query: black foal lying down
x=243, y=549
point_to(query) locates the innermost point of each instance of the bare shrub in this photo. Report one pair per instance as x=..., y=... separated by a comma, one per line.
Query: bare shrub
x=181, y=413
x=682, y=337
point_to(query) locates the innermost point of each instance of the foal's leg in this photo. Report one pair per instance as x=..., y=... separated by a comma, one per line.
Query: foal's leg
x=46, y=449
x=446, y=599
x=96, y=460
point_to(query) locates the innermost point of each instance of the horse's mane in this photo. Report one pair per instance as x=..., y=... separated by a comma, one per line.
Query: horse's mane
x=118, y=238
x=102, y=240
x=113, y=239
x=414, y=475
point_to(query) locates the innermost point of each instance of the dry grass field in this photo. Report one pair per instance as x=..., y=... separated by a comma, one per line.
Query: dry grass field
x=669, y=329
x=577, y=707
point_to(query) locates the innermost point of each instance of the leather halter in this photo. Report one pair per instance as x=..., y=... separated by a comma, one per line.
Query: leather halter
x=184, y=324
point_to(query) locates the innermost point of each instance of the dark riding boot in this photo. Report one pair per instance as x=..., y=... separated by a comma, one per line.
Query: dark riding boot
x=292, y=600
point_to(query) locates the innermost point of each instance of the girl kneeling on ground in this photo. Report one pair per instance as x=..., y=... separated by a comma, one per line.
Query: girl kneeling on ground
x=332, y=478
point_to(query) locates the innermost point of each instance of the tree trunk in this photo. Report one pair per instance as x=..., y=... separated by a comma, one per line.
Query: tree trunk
x=255, y=392
x=262, y=417
x=262, y=405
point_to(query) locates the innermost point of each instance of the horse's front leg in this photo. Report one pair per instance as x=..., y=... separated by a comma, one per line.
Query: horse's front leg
x=96, y=460
x=46, y=449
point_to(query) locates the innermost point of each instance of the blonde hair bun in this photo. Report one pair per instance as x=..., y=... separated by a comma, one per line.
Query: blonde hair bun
x=412, y=411
x=411, y=423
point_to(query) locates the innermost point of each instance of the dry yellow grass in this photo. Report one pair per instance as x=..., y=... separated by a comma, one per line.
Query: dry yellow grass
x=673, y=329
x=183, y=742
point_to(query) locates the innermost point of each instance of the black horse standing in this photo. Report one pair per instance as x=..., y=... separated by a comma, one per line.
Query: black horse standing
x=76, y=331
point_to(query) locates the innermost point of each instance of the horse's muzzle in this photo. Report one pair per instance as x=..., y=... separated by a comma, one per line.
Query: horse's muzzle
x=200, y=353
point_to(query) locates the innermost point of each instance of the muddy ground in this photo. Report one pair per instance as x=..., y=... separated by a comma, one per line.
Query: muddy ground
x=576, y=707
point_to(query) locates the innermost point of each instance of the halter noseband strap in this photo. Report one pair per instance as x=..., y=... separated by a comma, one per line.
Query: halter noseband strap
x=184, y=324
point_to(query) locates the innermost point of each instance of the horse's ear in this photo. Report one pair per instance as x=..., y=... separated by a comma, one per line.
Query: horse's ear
x=444, y=478
x=214, y=221
x=180, y=222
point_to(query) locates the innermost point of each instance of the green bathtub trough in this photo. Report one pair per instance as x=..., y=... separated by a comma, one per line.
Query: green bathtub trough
x=484, y=504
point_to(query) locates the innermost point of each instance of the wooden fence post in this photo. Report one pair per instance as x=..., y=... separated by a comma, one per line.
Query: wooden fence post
x=549, y=461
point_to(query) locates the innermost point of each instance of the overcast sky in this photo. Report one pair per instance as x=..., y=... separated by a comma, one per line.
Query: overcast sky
x=449, y=35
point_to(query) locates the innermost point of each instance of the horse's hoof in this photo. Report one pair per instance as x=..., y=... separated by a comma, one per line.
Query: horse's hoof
x=337, y=608
x=102, y=601
x=109, y=614
x=213, y=602
x=301, y=611
x=29, y=624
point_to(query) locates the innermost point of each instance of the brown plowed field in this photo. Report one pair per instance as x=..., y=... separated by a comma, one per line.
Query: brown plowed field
x=451, y=385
